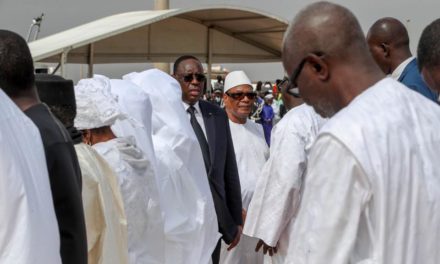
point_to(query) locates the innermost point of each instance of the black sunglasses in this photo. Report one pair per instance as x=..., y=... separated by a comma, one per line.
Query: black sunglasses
x=241, y=95
x=200, y=77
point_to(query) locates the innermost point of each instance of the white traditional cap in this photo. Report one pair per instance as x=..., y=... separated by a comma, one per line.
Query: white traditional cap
x=96, y=106
x=236, y=78
x=268, y=96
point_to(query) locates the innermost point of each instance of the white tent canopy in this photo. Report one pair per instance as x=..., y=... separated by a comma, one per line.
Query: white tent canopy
x=217, y=34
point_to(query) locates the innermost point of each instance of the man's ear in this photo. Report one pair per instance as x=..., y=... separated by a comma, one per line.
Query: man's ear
x=385, y=47
x=319, y=66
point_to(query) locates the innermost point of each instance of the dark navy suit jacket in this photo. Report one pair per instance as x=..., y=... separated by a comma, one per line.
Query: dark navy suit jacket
x=223, y=173
x=411, y=77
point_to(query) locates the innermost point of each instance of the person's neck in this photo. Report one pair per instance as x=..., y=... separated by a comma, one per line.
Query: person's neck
x=103, y=137
x=26, y=101
x=235, y=119
x=363, y=79
x=399, y=57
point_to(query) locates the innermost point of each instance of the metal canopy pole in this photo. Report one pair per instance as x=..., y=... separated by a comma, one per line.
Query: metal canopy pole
x=162, y=5
x=90, y=60
x=209, y=60
x=63, y=61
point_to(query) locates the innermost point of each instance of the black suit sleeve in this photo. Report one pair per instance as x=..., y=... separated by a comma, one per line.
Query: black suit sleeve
x=232, y=180
x=65, y=179
x=223, y=174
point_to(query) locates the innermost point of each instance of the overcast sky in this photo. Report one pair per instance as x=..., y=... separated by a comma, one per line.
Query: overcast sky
x=16, y=15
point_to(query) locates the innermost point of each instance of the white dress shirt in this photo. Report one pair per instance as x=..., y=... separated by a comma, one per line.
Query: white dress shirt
x=198, y=114
x=399, y=70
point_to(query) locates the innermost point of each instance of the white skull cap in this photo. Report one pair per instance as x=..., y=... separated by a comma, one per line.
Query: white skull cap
x=96, y=105
x=236, y=78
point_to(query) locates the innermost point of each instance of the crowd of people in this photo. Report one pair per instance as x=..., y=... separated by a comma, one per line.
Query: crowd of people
x=336, y=163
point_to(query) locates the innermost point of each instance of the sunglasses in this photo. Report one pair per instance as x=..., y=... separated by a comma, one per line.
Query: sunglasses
x=241, y=95
x=200, y=77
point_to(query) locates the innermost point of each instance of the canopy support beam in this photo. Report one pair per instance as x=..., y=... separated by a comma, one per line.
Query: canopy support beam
x=249, y=41
x=233, y=19
x=209, y=60
x=63, y=60
x=91, y=60
x=237, y=36
x=161, y=5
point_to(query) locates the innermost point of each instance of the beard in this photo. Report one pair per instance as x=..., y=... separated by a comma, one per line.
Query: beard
x=325, y=108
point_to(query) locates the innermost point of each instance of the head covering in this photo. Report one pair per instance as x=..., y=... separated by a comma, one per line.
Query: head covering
x=236, y=78
x=96, y=105
x=55, y=90
x=218, y=90
x=181, y=172
x=268, y=96
x=135, y=103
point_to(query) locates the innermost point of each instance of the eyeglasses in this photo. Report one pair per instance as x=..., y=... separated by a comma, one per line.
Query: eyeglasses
x=241, y=95
x=292, y=91
x=190, y=77
x=292, y=88
x=295, y=74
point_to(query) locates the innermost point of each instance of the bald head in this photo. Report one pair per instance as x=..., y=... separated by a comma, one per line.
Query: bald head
x=327, y=28
x=324, y=51
x=389, y=30
x=388, y=41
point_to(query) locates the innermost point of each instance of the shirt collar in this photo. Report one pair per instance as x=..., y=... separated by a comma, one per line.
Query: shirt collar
x=399, y=70
x=196, y=106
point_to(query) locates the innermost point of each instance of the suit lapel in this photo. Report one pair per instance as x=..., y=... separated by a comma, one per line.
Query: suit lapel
x=209, y=120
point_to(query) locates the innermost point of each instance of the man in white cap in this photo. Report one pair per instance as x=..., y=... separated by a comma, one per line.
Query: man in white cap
x=28, y=225
x=267, y=116
x=97, y=110
x=251, y=152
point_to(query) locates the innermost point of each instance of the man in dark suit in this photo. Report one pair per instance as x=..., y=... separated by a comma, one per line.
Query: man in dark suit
x=388, y=41
x=211, y=126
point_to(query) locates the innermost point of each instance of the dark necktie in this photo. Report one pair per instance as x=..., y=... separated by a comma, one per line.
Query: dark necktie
x=200, y=137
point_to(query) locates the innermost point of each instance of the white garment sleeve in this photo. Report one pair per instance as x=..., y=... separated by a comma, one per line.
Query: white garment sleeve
x=335, y=192
x=277, y=192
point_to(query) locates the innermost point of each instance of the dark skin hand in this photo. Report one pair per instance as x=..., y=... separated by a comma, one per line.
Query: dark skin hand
x=266, y=248
x=243, y=215
x=234, y=242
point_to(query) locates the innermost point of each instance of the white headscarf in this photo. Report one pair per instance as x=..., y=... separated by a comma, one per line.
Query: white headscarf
x=96, y=106
x=134, y=102
x=191, y=226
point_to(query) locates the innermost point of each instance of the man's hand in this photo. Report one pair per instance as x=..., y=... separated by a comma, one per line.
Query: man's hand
x=243, y=215
x=234, y=242
x=266, y=248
